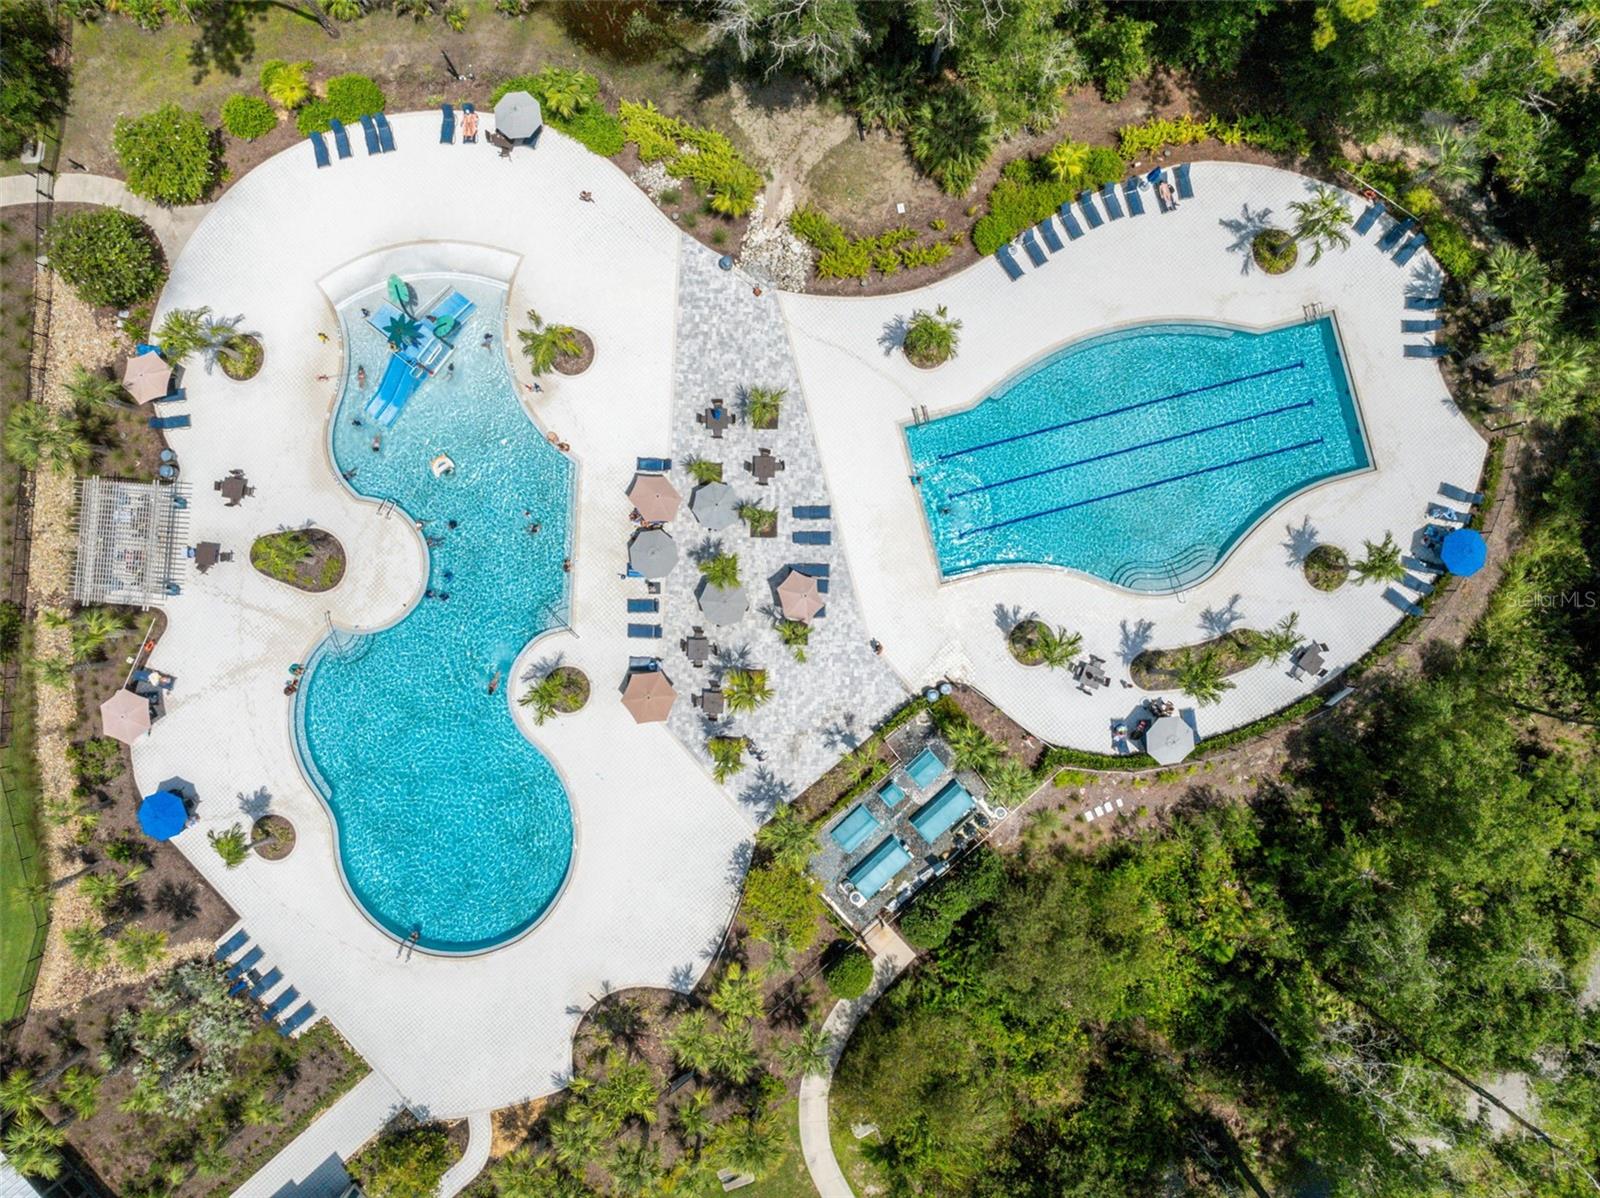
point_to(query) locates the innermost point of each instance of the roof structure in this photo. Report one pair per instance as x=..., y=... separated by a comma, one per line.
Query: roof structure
x=128, y=541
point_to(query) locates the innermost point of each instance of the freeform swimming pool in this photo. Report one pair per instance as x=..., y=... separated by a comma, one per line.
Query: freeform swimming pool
x=1139, y=456
x=450, y=823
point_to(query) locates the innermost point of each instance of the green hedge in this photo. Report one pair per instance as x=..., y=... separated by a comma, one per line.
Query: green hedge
x=106, y=256
x=1026, y=194
x=349, y=98
x=933, y=916
x=849, y=975
x=840, y=256
x=248, y=117
x=595, y=128
x=166, y=155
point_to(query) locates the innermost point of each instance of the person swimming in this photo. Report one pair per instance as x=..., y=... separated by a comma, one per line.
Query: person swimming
x=361, y=377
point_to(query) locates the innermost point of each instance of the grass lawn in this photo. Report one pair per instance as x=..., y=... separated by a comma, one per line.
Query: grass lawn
x=791, y=1180
x=863, y=1178
x=21, y=921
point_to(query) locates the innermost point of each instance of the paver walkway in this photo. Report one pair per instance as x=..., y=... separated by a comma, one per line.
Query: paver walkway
x=480, y=1136
x=892, y=956
x=172, y=226
x=312, y=1166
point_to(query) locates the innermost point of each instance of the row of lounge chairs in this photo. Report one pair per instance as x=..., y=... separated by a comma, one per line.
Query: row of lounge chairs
x=380, y=139
x=248, y=979
x=1425, y=566
x=447, y=125
x=1393, y=237
x=1108, y=195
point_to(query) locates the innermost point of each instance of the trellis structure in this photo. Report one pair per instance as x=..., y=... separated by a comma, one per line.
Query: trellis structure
x=129, y=538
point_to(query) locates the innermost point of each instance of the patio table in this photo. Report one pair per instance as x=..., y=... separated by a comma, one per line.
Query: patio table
x=717, y=418
x=234, y=488
x=764, y=466
x=1310, y=660
x=711, y=703
x=698, y=649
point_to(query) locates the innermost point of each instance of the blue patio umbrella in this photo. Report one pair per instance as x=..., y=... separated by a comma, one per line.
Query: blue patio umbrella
x=1464, y=551
x=163, y=815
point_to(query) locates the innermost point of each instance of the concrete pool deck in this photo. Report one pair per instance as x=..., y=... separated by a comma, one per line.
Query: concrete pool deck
x=1192, y=264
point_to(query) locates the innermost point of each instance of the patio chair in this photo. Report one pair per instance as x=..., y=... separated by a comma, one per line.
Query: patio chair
x=1396, y=231
x=1422, y=303
x=1090, y=212
x=812, y=537
x=1368, y=218
x=1008, y=263
x=1108, y=197
x=280, y=1004
x=371, y=132
x=320, y=149
x=447, y=125
x=645, y=632
x=1451, y=491
x=297, y=1020
x=341, y=139
x=1427, y=351
x=1052, y=239
x=1070, y=222
x=1031, y=244
x=385, y=134
x=1130, y=192
x=268, y=980
x=1400, y=601
x=1410, y=248
x=1421, y=326
x=232, y=944
x=164, y=422
x=1180, y=175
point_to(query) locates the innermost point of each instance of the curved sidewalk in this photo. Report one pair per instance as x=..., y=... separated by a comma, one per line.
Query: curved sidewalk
x=173, y=226
x=816, y=1143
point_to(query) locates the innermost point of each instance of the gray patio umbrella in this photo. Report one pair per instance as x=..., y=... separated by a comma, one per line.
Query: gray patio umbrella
x=517, y=115
x=723, y=605
x=714, y=506
x=1169, y=740
x=653, y=553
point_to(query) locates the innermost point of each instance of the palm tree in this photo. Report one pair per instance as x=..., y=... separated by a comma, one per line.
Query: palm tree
x=79, y=1092
x=634, y=1171
x=522, y=1173
x=1010, y=782
x=278, y=555
x=1458, y=159
x=787, y=838
x=565, y=92
x=233, y=846
x=543, y=343
x=285, y=82
x=932, y=337
x=951, y=135
x=258, y=1110
x=542, y=697
x=212, y=1160
x=1280, y=640
x=727, y=756
x=754, y=1144
x=692, y=1118
x=33, y=1146
x=577, y=1136
x=737, y=995
x=796, y=634
x=216, y=337
x=629, y=1091
x=761, y=405
x=88, y=946
x=972, y=746
x=92, y=391
x=762, y=521
x=1056, y=648
x=93, y=627
x=703, y=471
x=144, y=1099
x=733, y=1053
x=182, y=333
x=55, y=672
x=780, y=960
x=1565, y=371
x=808, y=1053
x=19, y=1093
x=140, y=948
x=1322, y=222
x=101, y=889
x=1511, y=274
x=1200, y=676
x=1068, y=161
x=1381, y=563
x=745, y=690
x=37, y=436
x=690, y=1041
x=721, y=570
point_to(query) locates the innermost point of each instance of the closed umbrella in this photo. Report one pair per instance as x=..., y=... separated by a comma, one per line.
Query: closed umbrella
x=163, y=815
x=125, y=716
x=146, y=376
x=723, y=605
x=654, y=497
x=714, y=506
x=799, y=597
x=649, y=696
x=1464, y=551
x=1169, y=740
x=653, y=553
x=517, y=116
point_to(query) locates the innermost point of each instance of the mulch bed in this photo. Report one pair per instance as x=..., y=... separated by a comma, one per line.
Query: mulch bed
x=579, y=363
x=1154, y=669
x=324, y=568
x=1018, y=741
x=273, y=837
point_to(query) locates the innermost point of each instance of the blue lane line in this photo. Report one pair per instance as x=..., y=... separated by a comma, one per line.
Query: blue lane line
x=1160, y=482
x=1133, y=407
x=1100, y=457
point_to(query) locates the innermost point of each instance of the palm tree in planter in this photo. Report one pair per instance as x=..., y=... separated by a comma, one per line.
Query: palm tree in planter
x=542, y=697
x=1322, y=222
x=233, y=846
x=727, y=756
x=278, y=555
x=762, y=404
x=1381, y=563
x=1053, y=648
x=545, y=343
x=931, y=337
x=703, y=471
x=1200, y=676
x=140, y=948
x=796, y=634
x=763, y=522
x=808, y=1053
x=745, y=690
x=721, y=570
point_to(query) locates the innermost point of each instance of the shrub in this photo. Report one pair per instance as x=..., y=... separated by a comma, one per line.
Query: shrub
x=951, y=136
x=1028, y=191
x=10, y=629
x=315, y=117
x=248, y=117
x=594, y=128
x=1274, y=134
x=106, y=256
x=709, y=158
x=1275, y=250
x=285, y=83
x=353, y=96
x=939, y=908
x=35, y=88
x=821, y=230
x=781, y=903
x=1452, y=249
x=403, y=1164
x=849, y=975
x=167, y=155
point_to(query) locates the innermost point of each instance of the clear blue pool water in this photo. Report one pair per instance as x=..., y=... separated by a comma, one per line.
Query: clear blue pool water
x=449, y=821
x=1139, y=456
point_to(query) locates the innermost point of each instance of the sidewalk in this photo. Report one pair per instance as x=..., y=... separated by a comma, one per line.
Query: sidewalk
x=312, y=1166
x=173, y=226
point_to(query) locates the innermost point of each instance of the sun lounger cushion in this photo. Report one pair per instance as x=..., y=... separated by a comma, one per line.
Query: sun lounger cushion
x=1427, y=351
x=447, y=125
x=1368, y=218
x=1396, y=231
x=1130, y=191
x=161, y=422
x=232, y=944
x=643, y=605
x=1420, y=326
x=1410, y=248
x=1074, y=229
x=1180, y=173
x=319, y=149
x=341, y=139
x=371, y=132
x=1090, y=212
x=1108, y=197
x=812, y=537
x=814, y=512
x=655, y=465
x=279, y=1004
x=295, y=1021
x=1031, y=244
x=1052, y=239
x=645, y=632
x=1423, y=303
x=1400, y=601
x=1008, y=262
x=385, y=134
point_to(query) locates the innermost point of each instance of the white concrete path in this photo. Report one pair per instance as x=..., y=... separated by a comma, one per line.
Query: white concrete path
x=173, y=226
x=892, y=956
x=480, y=1137
x=312, y=1166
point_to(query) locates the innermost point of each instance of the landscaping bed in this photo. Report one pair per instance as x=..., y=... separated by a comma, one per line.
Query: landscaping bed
x=1237, y=649
x=247, y=362
x=1326, y=567
x=1274, y=250
x=577, y=363
x=318, y=567
x=272, y=837
x=574, y=692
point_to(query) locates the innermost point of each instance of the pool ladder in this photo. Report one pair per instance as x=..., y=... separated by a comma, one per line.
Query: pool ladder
x=348, y=647
x=385, y=509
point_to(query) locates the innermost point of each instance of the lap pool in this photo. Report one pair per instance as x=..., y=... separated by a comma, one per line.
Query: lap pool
x=1139, y=456
x=450, y=824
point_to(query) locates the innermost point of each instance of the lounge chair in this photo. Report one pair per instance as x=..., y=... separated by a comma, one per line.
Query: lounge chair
x=161, y=422
x=280, y=1004
x=815, y=512
x=178, y=396
x=1410, y=248
x=638, y=606
x=645, y=632
x=1396, y=231
x=1427, y=351
x=371, y=132
x=1461, y=495
x=1422, y=303
x=385, y=134
x=297, y=1020
x=232, y=944
x=817, y=570
x=447, y=125
x=1438, y=511
x=1368, y=218
x=1130, y=192
x=236, y=970
x=341, y=139
x=1400, y=601
x=1412, y=583
x=1420, y=326
x=1008, y=262
x=812, y=536
x=1031, y=244
x=1052, y=239
x=1090, y=212
x=1180, y=173
x=320, y=149
x=1108, y=197
x=654, y=465
x=268, y=980
x=1074, y=229
x=464, y=137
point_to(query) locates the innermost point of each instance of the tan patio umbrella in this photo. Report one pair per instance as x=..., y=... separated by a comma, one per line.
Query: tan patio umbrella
x=146, y=376
x=125, y=716
x=648, y=696
x=799, y=597
x=655, y=498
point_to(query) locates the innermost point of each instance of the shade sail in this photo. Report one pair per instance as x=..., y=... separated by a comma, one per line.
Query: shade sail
x=799, y=597
x=163, y=815
x=517, y=115
x=1169, y=740
x=655, y=498
x=125, y=716
x=715, y=506
x=146, y=376
x=649, y=696
x=653, y=553
x=1464, y=551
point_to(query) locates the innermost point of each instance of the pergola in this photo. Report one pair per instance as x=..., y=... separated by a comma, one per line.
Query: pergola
x=129, y=538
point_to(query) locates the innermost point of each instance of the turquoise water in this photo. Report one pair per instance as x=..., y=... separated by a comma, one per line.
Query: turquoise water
x=1139, y=456
x=449, y=821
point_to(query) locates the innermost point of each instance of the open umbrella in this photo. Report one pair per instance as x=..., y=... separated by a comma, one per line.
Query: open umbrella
x=653, y=553
x=517, y=116
x=163, y=815
x=125, y=716
x=1169, y=740
x=655, y=497
x=723, y=605
x=146, y=376
x=715, y=506
x=648, y=696
x=799, y=597
x=1464, y=551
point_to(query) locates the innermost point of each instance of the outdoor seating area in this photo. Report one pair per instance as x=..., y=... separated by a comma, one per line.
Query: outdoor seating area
x=235, y=488
x=1156, y=181
x=764, y=467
